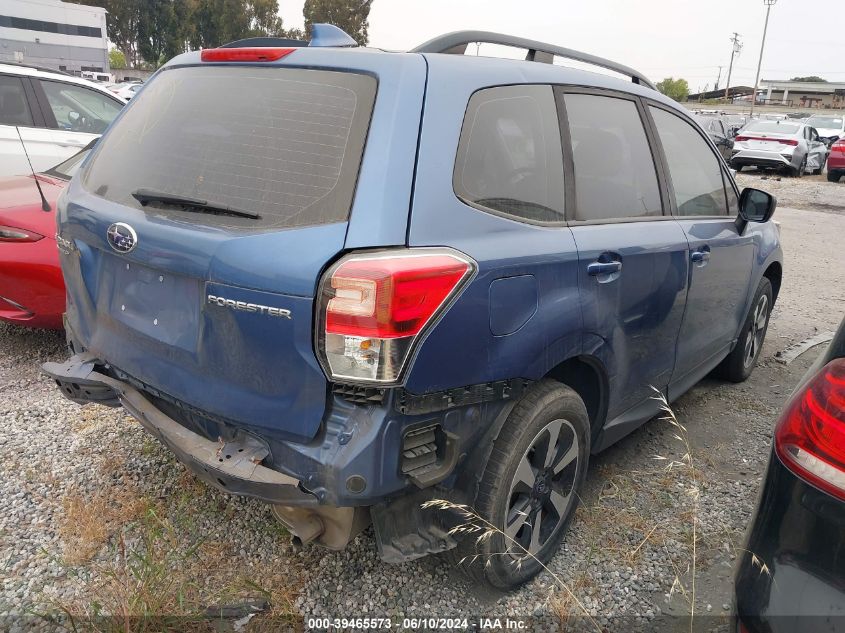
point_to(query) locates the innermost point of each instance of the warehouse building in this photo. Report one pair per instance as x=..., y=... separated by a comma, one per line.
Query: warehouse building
x=803, y=94
x=54, y=34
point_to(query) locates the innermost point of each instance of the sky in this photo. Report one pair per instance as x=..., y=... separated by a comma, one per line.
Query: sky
x=661, y=38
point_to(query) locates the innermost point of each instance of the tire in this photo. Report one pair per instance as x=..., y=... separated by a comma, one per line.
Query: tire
x=833, y=176
x=504, y=488
x=799, y=172
x=739, y=364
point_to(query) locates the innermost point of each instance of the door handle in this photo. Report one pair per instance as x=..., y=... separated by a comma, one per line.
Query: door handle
x=604, y=268
x=700, y=257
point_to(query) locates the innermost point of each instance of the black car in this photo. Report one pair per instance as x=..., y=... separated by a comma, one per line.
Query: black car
x=791, y=575
x=718, y=133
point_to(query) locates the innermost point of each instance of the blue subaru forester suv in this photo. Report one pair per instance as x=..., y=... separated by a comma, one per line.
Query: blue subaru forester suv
x=347, y=282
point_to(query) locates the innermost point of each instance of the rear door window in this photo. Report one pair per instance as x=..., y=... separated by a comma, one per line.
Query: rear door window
x=80, y=109
x=14, y=109
x=695, y=170
x=615, y=176
x=509, y=156
x=284, y=144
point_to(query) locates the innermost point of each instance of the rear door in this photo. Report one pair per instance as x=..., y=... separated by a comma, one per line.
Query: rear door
x=216, y=309
x=21, y=120
x=632, y=256
x=816, y=150
x=704, y=201
x=77, y=114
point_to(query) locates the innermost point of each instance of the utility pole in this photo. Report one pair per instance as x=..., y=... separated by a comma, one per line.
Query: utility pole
x=736, y=47
x=769, y=4
x=718, y=77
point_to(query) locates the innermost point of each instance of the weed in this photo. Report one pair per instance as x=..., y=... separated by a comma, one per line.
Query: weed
x=88, y=522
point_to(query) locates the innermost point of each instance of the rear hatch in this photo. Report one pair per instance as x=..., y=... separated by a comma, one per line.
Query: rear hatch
x=206, y=215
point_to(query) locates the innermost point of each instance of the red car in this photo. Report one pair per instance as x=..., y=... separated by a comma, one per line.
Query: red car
x=32, y=291
x=836, y=161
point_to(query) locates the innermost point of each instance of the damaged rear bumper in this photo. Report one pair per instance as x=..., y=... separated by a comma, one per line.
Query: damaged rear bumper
x=233, y=466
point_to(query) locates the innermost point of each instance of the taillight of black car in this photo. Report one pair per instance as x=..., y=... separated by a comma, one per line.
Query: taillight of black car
x=376, y=307
x=810, y=435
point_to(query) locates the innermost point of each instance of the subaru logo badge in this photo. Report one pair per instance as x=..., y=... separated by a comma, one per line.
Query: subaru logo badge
x=122, y=237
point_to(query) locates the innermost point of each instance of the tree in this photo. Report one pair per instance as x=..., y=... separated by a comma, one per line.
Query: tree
x=350, y=15
x=116, y=59
x=215, y=22
x=815, y=79
x=677, y=89
x=122, y=27
x=157, y=27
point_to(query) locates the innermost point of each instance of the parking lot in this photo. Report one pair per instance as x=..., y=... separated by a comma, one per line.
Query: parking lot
x=95, y=516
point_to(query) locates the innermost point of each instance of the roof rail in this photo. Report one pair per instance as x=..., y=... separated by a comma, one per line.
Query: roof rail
x=322, y=35
x=456, y=43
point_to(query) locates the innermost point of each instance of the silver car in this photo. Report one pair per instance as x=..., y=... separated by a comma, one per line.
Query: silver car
x=790, y=145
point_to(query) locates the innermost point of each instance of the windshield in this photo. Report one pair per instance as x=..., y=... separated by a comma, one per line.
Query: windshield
x=68, y=168
x=772, y=127
x=825, y=122
x=283, y=144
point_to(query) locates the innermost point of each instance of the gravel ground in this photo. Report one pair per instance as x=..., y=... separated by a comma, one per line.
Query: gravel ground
x=96, y=518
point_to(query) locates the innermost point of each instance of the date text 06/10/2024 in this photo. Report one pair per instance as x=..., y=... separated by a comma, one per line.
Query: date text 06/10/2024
x=369, y=623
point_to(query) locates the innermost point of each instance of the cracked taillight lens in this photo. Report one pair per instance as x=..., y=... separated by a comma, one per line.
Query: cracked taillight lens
x=375, y=307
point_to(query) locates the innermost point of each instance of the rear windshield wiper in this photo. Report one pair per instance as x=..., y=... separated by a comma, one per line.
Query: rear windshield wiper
x=191, y=205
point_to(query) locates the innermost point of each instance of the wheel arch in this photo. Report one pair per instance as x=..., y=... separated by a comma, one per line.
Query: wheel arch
x=774, y=273
x=586, y=375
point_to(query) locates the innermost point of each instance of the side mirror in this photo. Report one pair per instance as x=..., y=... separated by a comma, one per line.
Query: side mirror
x=756, y=205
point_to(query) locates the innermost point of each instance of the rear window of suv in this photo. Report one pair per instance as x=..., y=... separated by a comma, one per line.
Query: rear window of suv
x=283, y=144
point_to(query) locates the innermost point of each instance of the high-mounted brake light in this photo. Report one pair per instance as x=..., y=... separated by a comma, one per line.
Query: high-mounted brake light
x=253, y=54
x=810, y=435
x=375, y=307
x=11, y=234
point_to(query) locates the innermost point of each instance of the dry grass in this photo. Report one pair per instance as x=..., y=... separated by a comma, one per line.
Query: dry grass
x=562, y=604
x=88, y=522
x=147, y=567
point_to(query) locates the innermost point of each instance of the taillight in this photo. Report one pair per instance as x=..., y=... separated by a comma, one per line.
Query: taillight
x=810, y=436
x=10, y=234
x=838, y=146
x=253, y=54
x=375, y=307
x=783, y=141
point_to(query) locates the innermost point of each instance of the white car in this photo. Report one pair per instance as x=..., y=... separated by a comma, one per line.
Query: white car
x=127, y=90
x=828, y=125
x=790, y=145
x=55, y=114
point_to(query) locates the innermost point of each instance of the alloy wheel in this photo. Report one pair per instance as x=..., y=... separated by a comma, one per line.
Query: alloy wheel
x=754, y=339
x=542, y=490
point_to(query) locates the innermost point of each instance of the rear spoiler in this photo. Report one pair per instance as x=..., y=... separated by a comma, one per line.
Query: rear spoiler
x=322, y=35
x=456, y=43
